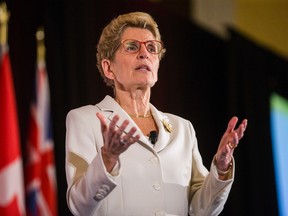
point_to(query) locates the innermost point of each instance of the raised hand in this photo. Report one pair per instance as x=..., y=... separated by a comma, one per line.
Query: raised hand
x=229, y=142
x=115, y=141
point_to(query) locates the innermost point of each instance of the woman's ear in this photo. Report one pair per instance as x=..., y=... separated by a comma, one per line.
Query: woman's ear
x=106, y=65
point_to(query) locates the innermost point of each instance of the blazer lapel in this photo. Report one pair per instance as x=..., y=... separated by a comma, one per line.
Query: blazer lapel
x=163, y=133
x=110, y=108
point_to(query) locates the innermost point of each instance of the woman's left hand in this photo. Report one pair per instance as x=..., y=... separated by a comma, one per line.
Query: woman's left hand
x=229, y=142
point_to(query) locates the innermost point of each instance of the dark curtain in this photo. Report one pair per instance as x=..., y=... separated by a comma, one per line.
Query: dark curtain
x=254, y=74
x=202, y=78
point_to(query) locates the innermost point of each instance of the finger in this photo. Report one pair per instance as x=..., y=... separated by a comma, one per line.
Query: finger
x=102, y=119
x=113, y=123
x=241, y=129
x=135, y=138
x=129, y=138
x=231, y=125
x=132, y=131
x=123, y=126
x=245, y=123
x=110, y=134
x=235, y=139
x=131, y=134
x=125, y=140
x=119, y=132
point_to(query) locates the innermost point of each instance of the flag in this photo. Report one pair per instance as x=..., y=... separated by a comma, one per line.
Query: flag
x=11, y=169
x=40, y=177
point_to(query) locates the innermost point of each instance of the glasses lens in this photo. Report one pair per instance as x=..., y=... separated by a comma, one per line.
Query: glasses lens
x=131, y=46
x=154, y=46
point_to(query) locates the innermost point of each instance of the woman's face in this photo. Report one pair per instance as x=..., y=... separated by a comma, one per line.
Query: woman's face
x=134, y=70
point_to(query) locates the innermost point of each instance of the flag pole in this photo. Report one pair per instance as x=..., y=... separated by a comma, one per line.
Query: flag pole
x=40, y=38
x=4, y=18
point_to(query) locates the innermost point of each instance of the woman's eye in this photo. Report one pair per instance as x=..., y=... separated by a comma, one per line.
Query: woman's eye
x=131, y=47
x=151, y=48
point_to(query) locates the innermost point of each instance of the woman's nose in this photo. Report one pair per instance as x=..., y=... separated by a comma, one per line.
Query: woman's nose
x=143, y=53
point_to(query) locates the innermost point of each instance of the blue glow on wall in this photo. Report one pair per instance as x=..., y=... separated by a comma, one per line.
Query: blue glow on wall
x=279, y=133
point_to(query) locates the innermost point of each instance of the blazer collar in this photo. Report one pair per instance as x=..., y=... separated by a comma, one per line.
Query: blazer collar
x=109, y=107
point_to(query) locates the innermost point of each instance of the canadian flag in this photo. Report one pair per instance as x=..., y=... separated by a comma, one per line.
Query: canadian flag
x=11, y=170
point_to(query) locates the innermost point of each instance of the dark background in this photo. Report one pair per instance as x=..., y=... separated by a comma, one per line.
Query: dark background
x=202, y=78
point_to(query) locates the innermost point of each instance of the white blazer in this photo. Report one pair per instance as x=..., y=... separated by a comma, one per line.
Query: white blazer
x=167, y=178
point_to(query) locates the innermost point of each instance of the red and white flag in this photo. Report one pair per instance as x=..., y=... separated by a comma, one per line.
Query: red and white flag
x=40, y=177
x=11, y=169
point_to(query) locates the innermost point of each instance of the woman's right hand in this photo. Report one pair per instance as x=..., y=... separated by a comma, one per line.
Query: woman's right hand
x=115, y=142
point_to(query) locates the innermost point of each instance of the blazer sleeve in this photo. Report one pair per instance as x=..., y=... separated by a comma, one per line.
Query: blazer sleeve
x=208, y=193
x=87, y=179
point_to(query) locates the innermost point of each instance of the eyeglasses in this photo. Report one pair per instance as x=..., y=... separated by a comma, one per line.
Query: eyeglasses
x=133, y=46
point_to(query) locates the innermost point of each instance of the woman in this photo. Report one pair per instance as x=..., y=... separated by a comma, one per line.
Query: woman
x=125, y=157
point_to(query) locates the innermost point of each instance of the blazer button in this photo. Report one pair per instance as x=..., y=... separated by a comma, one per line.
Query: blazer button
x=159, y=213
x=105, y=187
x=153, y=160
x=157, y=186
x=102, y=192
x=219, y=199
x=98, y=197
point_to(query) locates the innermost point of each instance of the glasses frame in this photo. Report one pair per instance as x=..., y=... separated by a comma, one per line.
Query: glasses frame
x=143, y=42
